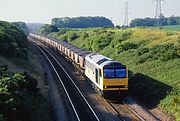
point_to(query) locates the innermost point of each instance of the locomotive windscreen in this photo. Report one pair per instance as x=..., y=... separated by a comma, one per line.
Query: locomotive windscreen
x=114, y=72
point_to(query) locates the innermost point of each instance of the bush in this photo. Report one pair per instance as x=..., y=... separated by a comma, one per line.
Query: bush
x=178, y=46
x=20, y=99
x=161, y=52
x=72, y=36
x=64, y=38
x=118, y=38
x=142, y=51
x=99, y=42
x=170, y=54
x=122, y=36
x=62, y=31
x=143, y=58
x=84, y=35
x=126, y=46
x=170, y=33
x=164, y=52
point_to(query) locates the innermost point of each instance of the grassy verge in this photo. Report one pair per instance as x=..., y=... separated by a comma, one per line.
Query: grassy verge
x=152, y=55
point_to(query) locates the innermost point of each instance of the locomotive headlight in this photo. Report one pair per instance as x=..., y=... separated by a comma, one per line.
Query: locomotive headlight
x=126, y=86
x=105, y=86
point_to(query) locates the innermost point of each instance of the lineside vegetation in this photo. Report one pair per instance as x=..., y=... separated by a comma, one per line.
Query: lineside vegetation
x=20, y=99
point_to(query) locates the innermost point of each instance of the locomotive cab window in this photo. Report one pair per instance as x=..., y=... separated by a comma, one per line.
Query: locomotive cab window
x=109, y=73
x=121, y=73
x=115, y=73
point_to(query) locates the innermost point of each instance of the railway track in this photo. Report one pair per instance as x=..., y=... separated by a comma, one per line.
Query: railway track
x=133, y=111
x=81, y=108
x=139, y=115
x=134, y=115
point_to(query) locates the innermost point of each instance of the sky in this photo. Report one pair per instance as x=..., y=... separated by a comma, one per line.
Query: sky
x=42, y=11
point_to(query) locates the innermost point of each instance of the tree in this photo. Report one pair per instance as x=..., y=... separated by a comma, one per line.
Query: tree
x=13, y=41
x=82, y=22
x=172, y=20
x=20, y=25
x=47, y=29
x=161, y=21
x=137, y=22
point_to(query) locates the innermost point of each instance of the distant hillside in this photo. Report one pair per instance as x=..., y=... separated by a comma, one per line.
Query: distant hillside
x=82, y=22
x=153, y=55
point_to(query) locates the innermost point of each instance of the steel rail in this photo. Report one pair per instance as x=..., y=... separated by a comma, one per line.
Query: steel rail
x=75, y=86
x=60, y=80
x=95, y=115
x=134, y=112
x=114, y=109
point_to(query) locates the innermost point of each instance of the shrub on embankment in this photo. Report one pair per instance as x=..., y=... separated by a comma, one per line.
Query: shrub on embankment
x=20, y=99
x=152, y=55
x=13, y=41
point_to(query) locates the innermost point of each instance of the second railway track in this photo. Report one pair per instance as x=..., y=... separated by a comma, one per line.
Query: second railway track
x=81, y=107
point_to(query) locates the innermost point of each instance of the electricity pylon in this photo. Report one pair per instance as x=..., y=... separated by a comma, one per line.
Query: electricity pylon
x=126, y=13
x=158, y=13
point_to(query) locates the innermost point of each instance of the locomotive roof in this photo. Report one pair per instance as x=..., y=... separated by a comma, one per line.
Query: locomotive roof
x=101, y=61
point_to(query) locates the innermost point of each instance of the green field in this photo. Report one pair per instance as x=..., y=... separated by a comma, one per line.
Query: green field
x=173, y=27
x=152, y=55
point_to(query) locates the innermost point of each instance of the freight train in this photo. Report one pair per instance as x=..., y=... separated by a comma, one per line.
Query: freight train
x=106, y=75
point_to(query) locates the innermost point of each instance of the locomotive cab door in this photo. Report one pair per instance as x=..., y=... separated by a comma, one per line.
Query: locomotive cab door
x=97, y=76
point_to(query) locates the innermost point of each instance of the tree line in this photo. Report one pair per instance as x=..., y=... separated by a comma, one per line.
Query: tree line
x=46, y=29
x=162, y=21
x=13, y=41
x=20, y=25
x=82, y=22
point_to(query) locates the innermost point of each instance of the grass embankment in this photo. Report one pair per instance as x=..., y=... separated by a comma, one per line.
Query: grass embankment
x=152, y=55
